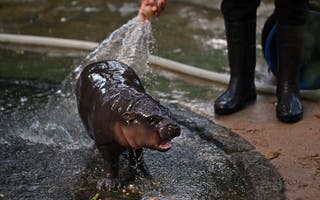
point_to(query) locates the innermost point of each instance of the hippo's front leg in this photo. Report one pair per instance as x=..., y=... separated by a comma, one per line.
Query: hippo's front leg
x=136, y=162
x=110, y=155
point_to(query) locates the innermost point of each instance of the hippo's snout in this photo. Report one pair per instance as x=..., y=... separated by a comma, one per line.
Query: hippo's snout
x=169, y=131
x=173, y=130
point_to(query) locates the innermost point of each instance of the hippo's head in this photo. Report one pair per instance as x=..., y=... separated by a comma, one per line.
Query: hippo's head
x=156, y=126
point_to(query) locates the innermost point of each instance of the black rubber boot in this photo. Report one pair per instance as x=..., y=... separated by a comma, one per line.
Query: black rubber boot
x=290, y=49
x=241, y=38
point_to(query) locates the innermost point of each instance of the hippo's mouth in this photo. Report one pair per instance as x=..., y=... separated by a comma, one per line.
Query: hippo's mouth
x=167, y=131
x=165, y=145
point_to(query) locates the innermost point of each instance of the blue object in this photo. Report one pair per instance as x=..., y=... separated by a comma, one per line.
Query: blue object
x=310, y=70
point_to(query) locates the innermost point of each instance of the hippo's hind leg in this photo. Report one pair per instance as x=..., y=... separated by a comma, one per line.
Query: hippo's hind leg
x=136, y=163
x=110, y=155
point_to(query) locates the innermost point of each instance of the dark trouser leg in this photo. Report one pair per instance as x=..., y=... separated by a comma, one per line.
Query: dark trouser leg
x=290, y=17
x=240, y=23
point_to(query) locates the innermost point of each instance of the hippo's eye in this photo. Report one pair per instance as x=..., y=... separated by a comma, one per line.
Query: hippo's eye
x=152, y=120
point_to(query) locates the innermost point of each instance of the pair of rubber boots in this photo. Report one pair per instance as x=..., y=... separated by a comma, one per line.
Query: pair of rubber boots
x=241, y=38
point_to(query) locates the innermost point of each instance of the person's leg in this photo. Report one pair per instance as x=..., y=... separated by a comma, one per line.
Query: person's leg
x=290, y=19
x=240, y=24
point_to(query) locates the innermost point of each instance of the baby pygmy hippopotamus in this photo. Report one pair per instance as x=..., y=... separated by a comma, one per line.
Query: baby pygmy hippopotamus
x=119, y=115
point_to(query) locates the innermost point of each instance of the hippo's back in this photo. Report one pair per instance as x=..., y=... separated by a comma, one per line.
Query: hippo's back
x=100, y=87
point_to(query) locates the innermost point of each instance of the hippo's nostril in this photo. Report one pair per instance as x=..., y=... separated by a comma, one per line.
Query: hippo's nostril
x=174, y=130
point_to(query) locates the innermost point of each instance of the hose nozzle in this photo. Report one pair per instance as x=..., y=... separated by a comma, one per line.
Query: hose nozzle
x=148, y=11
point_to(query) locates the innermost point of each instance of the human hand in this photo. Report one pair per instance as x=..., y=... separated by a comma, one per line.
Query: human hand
x=151, y=7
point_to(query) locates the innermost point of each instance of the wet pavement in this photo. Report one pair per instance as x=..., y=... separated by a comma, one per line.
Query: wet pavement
x=47, y=154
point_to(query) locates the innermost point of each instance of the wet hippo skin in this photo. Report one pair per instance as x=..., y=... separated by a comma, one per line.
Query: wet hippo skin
x=119, y=115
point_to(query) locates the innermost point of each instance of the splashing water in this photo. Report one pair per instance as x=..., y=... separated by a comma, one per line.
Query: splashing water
x=48, y=154
x=58, y=124
x=48, y=147
x=129, y=44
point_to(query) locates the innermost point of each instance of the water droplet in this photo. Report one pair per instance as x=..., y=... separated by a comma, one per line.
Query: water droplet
x=63, y=19
x=23, y=99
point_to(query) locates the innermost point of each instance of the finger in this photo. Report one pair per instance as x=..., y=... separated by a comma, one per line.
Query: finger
x=144, y=4
x=161, y=4
x=151, y=2
x=154, y=8
x=148, y=11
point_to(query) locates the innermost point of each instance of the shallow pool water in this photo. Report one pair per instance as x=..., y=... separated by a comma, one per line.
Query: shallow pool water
x=190, y=31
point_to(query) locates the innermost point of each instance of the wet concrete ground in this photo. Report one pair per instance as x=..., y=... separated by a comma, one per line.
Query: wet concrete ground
x=46, y=154
x=294, y=148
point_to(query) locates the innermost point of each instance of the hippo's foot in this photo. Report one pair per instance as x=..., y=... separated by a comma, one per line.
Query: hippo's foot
x=143, y=168
x=134, y=172
x=109, y=184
